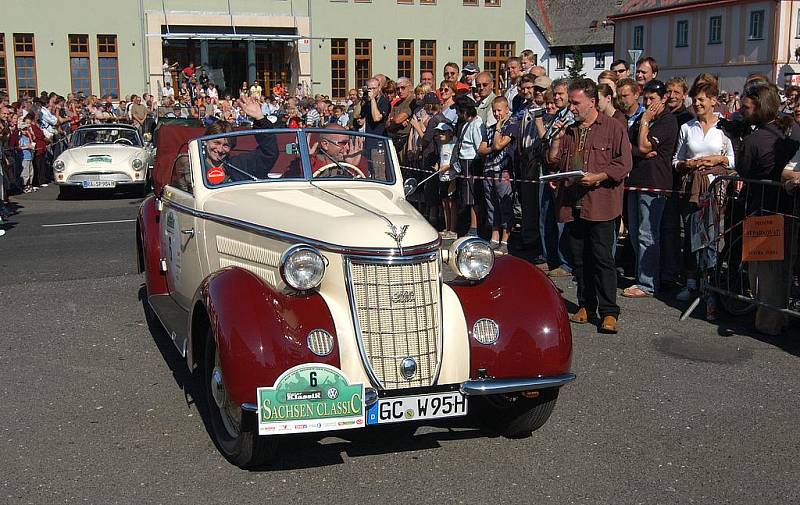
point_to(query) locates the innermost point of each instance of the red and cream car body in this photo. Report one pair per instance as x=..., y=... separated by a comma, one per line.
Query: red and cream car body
x=311, y=264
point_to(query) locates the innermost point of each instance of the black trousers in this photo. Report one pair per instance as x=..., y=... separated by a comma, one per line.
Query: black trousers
x=39, y=170
x=590, y=243
x=527, y=244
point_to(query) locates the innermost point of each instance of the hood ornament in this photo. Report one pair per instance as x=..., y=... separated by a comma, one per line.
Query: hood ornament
x=397, y=235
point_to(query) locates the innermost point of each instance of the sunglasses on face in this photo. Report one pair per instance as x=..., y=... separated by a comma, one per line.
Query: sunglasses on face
x=340, y=143
x=449, y=73
x=444, y=90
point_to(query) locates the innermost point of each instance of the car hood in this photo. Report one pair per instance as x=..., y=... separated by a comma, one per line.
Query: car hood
x=103, y=155
x=345, y=216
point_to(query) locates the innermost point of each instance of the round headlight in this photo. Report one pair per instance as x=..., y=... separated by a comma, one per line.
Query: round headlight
x=58, y=165
x=137, y=164
x=302, y=267
x=472, y=258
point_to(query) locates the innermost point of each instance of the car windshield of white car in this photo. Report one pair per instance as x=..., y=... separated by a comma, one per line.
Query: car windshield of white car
x=265, y=156
x=120, y=136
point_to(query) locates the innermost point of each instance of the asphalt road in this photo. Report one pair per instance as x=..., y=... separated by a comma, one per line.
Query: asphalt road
x=97, y=407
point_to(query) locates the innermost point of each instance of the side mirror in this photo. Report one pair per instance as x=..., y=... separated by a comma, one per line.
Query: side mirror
x=409, y=186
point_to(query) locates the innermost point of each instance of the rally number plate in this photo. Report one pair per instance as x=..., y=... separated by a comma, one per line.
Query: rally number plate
x=417, y=408
x=99, y=184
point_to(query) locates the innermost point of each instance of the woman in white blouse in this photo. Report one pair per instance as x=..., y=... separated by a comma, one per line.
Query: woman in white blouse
x=703, y=152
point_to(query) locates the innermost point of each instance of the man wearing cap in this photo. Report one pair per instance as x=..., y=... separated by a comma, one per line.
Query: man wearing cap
x=527, y=167
x=652, y=171
x=469, y=74
x=484, y=83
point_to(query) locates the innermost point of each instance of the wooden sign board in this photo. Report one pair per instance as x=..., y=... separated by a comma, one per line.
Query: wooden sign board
x=762, y=238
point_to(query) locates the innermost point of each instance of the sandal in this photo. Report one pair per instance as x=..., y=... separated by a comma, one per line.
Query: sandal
x=635, y=292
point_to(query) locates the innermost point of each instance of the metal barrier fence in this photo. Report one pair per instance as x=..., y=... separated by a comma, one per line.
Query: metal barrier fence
x=744, y=235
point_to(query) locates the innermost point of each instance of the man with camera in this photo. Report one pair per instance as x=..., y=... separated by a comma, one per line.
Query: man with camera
x=374, y=108
x=527, y=167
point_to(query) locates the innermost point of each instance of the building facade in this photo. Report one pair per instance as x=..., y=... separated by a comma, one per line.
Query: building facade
x=327, y=45
x=558, y=30
x=728, y=38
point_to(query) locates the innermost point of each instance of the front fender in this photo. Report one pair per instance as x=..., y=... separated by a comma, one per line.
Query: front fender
x=149, y=248
x=535, y=337
x=261, y=333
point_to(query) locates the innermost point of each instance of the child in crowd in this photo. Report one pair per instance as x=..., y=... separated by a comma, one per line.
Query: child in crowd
x=497, y=167
x=26, y=147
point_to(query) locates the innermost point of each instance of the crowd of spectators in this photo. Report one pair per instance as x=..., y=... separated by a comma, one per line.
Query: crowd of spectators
x=641, y=153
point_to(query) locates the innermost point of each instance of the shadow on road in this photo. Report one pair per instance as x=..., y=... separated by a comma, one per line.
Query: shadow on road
x=313, y=450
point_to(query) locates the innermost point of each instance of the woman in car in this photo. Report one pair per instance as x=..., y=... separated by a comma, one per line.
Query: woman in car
x=221, y=167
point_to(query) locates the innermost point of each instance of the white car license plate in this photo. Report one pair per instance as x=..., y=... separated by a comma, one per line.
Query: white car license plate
x=99, y=184
x=416, y=408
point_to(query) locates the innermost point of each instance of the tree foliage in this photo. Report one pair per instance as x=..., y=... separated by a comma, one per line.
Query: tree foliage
x=575, y=67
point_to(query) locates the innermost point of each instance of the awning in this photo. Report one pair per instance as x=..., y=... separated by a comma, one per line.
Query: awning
x=226, y=36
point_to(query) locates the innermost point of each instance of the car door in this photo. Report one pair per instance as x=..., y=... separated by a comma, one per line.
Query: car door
x=182, y=252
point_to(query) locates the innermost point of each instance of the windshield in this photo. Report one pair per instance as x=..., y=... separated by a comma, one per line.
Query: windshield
x=335, y=154
x=122, y=136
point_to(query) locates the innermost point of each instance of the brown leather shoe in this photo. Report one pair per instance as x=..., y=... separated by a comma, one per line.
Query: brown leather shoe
x=609, y=325
x=559, y=272
x=543, y=267
x=580, y=317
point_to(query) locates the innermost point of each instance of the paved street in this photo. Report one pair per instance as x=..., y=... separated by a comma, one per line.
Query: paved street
x=97, y=407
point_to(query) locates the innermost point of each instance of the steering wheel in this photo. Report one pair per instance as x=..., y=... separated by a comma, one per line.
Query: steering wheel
x=353, y=170
x=124, y=141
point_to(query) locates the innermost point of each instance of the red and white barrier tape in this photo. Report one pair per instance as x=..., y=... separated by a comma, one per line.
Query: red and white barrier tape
x=532, y=181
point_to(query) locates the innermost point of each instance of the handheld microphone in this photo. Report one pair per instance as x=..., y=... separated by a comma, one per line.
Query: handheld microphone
x=552, y=132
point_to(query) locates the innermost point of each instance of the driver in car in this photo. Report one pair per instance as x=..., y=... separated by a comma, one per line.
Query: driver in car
x=221, y=167
x=337, y=154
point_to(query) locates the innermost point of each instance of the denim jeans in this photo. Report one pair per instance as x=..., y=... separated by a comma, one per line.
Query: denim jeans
x=644, y=228
x=551, y=231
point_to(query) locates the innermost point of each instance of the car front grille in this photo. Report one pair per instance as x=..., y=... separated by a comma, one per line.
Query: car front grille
x=396, y=306
x=99, y=176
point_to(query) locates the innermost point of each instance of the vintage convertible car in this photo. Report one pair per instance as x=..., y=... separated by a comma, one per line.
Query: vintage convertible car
x=308, y=294
x=104, y=156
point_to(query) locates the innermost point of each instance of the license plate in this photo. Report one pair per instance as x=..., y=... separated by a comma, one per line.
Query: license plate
x=99, y=184
x=417, y=408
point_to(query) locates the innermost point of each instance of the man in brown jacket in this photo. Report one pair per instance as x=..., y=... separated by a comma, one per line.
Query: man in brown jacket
x=597, y=145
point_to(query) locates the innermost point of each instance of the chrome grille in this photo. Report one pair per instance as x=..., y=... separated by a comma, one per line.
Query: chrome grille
x=99, y=176
x=396, y=306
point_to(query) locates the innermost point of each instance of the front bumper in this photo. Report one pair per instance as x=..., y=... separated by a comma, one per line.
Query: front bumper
x=483, y=387
x=119, y=178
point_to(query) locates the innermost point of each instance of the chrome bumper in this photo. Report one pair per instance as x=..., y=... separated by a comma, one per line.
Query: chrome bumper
x=482, y=387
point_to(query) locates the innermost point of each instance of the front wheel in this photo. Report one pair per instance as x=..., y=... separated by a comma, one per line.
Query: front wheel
x=240, y=445
x=515, y=416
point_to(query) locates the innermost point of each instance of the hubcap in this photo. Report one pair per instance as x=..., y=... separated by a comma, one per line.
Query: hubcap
x=229, y=413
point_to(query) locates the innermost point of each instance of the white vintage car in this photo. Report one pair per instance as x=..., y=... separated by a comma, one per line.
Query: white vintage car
x=308, y=296
x=104, y=156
